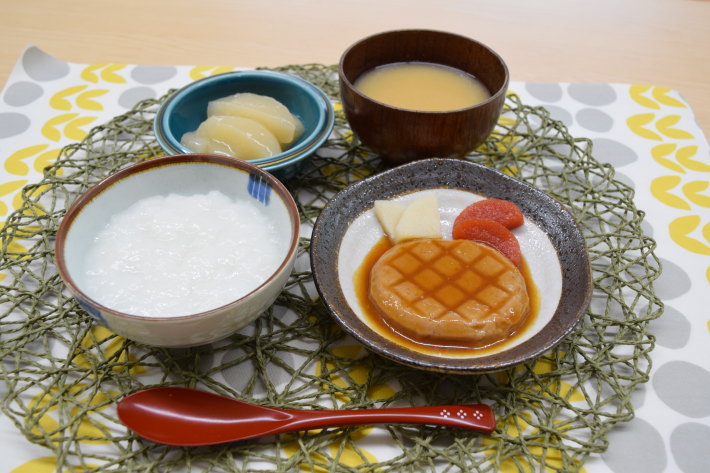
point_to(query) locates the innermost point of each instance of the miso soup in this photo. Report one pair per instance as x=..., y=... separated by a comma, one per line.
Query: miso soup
x=422, y=86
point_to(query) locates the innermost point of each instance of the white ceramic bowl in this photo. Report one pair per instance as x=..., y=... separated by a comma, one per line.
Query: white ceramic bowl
x=184, y=175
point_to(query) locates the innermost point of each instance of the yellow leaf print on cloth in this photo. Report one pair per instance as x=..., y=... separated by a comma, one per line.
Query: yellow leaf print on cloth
x=505, y=142
x=641, y=123
x=538, y=458
x=661, y=187
x=15, y=163
x=351, y=455
x=312, y=463
x=547, y=383
x=345, y=374
x=679, y=191
x=342, y=449
x=354, y=378
x=659, y=96
x=59, y=100
x=520, y=426
x=96, y=73
x=16, y=250
x=200, y=72
x=681, y=228
x=556, y=387
x=692, y=191
x=33, y=207
x=72, y=127
x=637, y=93
x=661, y=154
x=666, y=126
x=100, y=346
x=84, y=100
x=684, y=155
x=38, y=465
x=7, y=189
x=47, y=158
x=83, y=408
x=637, y=124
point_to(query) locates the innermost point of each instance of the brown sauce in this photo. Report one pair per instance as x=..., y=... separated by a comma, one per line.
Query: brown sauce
x=374, y=319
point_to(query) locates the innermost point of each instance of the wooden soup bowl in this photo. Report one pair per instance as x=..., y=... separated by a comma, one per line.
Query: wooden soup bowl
x=401, y=135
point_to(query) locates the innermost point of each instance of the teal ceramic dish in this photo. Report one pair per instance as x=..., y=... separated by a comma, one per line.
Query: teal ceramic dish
x=187, y=108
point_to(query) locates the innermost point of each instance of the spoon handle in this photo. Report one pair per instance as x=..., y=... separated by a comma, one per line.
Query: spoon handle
x=478, y=417
x=189, y=417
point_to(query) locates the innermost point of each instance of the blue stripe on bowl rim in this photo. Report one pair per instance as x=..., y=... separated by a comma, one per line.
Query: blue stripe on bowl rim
x=259, y=188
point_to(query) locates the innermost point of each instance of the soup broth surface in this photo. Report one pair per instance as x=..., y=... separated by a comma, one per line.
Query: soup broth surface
x=422, y=86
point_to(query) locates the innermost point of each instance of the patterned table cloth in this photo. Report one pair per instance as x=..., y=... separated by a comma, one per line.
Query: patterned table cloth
x=647, y=132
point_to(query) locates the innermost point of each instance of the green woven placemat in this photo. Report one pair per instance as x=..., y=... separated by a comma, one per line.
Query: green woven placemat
x=62, y=374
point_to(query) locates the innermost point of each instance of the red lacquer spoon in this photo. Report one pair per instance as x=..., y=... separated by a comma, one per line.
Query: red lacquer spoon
x=189, y=417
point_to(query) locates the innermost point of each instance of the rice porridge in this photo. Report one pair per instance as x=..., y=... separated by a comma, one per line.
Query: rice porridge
x=178, y=255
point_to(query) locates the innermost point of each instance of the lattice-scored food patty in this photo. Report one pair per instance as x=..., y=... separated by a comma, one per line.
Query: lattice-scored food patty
x=449, y=291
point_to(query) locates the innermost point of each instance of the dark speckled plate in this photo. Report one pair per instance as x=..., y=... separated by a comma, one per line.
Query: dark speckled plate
x=552, y=246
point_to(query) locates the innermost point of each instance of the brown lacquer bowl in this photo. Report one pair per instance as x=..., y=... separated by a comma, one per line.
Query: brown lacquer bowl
x=402, y=135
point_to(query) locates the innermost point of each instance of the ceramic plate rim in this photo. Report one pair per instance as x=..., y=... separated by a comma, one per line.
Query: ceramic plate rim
x=556, y=221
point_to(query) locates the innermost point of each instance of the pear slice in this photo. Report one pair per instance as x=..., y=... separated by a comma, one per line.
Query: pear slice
x=268, y=111
x=388, y=214
x=420, y=219
x=195, y=143
x=238, y=137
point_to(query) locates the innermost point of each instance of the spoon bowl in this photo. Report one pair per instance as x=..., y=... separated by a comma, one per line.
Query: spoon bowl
x=189, y=417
